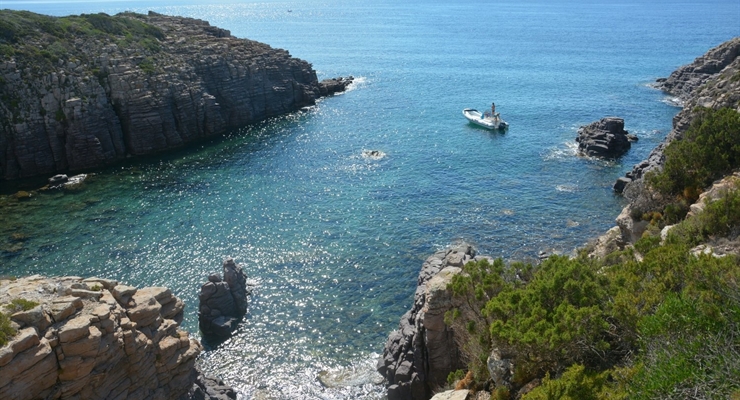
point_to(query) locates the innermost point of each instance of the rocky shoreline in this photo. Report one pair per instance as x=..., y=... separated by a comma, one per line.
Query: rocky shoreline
x=98, y=338
x=418, y=355
x=115, y=87
x=706, y=82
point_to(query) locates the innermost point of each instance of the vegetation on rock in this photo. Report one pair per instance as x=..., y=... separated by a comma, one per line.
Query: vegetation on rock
x=20, y=31
x=655, y=321
x=20, y=305
x=6, y=330
x=709, y=150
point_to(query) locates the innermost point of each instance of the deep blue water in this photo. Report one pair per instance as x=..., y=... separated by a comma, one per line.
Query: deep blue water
x=333, y=240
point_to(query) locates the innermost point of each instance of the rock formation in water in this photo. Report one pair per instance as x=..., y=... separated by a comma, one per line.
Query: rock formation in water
x=98, y=339
x=711, y=81
x=81, y=92
x=605, y=138
x=420, y=354
x=223, y=302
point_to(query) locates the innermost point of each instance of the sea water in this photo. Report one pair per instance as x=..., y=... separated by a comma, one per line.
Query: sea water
x=333, y=239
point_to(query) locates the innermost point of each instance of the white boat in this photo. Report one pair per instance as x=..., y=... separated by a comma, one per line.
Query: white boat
x=487, y=121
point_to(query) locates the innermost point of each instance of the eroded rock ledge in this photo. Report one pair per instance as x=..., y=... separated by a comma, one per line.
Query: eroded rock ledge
x=98, y=339
x=104, y=88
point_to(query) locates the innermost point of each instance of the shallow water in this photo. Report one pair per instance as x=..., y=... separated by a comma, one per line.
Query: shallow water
x=334, y=240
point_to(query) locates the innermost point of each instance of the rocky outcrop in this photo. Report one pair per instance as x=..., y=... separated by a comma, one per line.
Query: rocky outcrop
x=711, y=81
x=605, y=138
x=684, y=81
x=91, y=90
x=418, y=357
x=95, y=339
x=223, y=302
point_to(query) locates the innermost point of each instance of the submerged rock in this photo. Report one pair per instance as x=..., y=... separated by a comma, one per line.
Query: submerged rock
x=373, y=154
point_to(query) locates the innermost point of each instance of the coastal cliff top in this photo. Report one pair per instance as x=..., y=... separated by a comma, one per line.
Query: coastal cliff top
x=45, y=43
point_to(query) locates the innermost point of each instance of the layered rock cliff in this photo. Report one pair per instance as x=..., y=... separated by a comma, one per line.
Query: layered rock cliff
x=711, y=81
x=97, y=339
x=85, y=91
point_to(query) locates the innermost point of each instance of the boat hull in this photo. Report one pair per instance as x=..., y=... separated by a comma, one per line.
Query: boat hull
x=476, y=117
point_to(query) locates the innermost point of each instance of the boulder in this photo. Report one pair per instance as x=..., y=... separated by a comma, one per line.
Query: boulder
x=605, y=138
x=223, y=303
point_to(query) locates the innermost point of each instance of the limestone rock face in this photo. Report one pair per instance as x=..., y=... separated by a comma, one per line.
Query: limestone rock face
x=223, y=302
x=107, y=98
x=95, y=347
x=420, y=354
x=605, y=138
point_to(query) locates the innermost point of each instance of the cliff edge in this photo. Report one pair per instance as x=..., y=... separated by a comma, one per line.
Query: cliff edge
x=81, y=92
x=95, y=338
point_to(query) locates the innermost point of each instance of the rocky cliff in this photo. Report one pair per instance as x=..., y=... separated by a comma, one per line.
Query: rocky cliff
x=711, y=81
x=96, y=339
x=420, y=354
x=80, y=92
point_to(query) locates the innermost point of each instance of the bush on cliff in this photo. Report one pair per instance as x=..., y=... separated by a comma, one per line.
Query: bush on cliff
x=645, y=324
x=480, y=282
x=577, y=383
x=558, y=318
x=709, y=150
x=40, y=41
x=6, y=330
x=691, y=348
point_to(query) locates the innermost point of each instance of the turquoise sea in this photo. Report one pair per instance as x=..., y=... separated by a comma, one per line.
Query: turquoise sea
x=334, y=240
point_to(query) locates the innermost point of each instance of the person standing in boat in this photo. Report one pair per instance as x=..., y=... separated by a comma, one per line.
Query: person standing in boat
x=493, y=109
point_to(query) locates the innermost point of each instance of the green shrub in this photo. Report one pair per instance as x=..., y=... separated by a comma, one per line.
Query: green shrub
x=719, y=218
x=556, y=319
x=59, y=115
x=6, y=330
x=455, y=376
x=690, y=348
x=576, y=383
x=147, y=65
x=479, y=282
x=709, y=149
x=647, y=243
x=20, y=305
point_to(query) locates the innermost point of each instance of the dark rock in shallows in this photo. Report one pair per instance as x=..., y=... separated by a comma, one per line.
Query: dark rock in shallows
x=621, y=183
x=605, y=138
x=223, y=302
x=208, y=387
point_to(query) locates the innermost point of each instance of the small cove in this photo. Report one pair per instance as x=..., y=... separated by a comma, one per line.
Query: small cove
x=334, y=240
